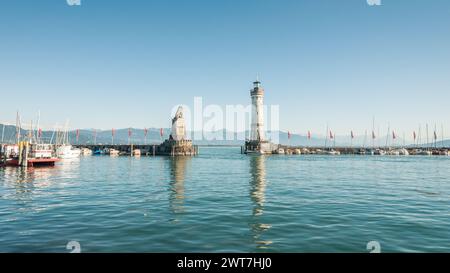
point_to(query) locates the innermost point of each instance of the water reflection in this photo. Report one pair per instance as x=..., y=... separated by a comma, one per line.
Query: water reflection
x=26, y=181
x=257, y=195
x=178, y=167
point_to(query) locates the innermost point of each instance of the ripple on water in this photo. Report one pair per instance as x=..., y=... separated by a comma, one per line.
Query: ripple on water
x=223, y=201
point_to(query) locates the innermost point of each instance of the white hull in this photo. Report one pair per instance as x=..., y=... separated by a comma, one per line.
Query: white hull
x=67, y=152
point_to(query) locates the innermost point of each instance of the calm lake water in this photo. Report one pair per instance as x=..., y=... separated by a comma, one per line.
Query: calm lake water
x=222, y=201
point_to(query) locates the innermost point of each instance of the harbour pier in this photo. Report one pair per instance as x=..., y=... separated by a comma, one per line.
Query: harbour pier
x=165, y=148
x=381, y=150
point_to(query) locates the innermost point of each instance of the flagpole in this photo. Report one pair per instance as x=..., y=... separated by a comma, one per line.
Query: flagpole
x=435, y=137
x=351, y=139
x=3, y=132
x=373, y=133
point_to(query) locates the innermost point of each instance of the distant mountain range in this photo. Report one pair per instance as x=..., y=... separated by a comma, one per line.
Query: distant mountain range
x=86, y=136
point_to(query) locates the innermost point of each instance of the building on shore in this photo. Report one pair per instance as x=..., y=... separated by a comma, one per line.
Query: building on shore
x=257, y=142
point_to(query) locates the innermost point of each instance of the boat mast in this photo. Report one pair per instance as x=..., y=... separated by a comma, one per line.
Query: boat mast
x=435, y=136
x=387, y=136
x=373, y=133
x=17, y=128
x=365, y=139
x=326, y=137
x=53, y=134
x=38, y=138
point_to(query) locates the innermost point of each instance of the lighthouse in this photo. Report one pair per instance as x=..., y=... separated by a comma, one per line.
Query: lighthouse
x=257, y=125
x=257, y=143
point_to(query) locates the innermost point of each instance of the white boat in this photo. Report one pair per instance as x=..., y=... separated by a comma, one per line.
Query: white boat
x=137, y=152
x=86, y=151
x=297, y=152
x=380, y=152
x=113, y=152
x=280, y=151
x=423, y=152
x=403, y=151
x=67, y=152
x=393, y=152
x=333, y=152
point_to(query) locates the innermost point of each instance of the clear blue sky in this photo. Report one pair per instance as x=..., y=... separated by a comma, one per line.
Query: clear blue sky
x=121, y=63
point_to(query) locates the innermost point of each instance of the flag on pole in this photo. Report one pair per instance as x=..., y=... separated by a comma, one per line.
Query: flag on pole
x=414, y=135
x=309, y=134
x=373, y=135
x=161, y=132
x=113, y=132
x=435, y=135
x=129, y=132
x=331, y=135
x=145, y=132
x=78, y=135
x=352, y=134
x=289, y=135
x=39, y=132
x=393, y=135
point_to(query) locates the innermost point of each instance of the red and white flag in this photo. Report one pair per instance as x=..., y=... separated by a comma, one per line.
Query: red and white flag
x=161, y=132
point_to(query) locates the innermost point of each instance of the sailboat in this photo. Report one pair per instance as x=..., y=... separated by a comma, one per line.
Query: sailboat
x=30, y=152
x=64, y=149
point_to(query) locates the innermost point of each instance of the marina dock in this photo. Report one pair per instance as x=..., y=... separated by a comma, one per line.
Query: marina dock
x=286, y=149
x=144, y=149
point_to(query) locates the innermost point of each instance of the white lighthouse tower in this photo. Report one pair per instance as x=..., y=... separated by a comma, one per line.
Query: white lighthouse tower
x=257, y=142
x=257, y=125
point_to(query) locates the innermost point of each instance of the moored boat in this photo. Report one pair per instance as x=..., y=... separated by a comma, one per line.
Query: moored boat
x=67, y=152
x=113, y=152
x=33, y=155
x=86, y=151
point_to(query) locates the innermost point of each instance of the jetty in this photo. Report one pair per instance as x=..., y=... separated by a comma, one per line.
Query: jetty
x=293, y=150
x=175, y=145
x=166, y=148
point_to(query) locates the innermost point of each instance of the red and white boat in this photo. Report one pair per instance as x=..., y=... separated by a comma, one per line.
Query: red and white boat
x=30, y=155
